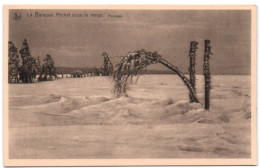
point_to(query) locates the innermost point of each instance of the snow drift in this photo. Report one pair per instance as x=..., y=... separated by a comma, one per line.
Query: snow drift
x=156, y=120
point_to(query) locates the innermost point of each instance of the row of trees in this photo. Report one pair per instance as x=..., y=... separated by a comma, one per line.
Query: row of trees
x=25, y=67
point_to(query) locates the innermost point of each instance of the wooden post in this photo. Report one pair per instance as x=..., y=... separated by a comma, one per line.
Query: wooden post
x=206, y=71
x=192, y=55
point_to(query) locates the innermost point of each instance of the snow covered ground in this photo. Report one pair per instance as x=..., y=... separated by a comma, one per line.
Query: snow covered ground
x=80, y=118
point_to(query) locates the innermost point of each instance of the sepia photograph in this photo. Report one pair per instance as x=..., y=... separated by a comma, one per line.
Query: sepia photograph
x=129, y=85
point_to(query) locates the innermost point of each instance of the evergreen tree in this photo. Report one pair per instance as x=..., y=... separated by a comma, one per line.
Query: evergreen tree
x=77, y=73
x=48, y=68
x=107, y=67
x=38, y=61
x=13, y=63
x=29, y=67
x=25, y=51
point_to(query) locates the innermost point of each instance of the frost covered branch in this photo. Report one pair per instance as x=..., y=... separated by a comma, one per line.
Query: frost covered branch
x=135, y=63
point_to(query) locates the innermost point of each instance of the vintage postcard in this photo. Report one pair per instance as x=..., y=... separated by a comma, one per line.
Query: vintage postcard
x=129, y=85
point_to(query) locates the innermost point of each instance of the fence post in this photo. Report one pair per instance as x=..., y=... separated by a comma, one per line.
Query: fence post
x=192, y=55
x=206, y=71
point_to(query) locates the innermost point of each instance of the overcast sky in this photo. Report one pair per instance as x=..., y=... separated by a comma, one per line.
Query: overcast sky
x=80, y=41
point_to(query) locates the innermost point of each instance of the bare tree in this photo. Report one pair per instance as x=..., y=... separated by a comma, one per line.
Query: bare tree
x=136, y=62
x=192, y=55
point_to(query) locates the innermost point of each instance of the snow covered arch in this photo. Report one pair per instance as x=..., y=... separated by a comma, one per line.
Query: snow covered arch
x=136, y=62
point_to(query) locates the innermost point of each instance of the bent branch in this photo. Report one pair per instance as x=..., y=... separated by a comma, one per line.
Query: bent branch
x=135, y=62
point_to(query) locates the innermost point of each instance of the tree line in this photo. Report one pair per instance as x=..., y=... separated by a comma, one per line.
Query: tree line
x=25, y=67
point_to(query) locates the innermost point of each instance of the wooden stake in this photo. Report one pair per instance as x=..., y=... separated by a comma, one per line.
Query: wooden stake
x=206, y=71
x=192, y=55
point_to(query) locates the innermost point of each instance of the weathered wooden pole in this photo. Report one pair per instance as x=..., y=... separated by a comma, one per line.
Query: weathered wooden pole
x=192, y=55
x=206, y=71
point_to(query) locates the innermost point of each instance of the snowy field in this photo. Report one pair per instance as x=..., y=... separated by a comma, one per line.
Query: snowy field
x=80, y=118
